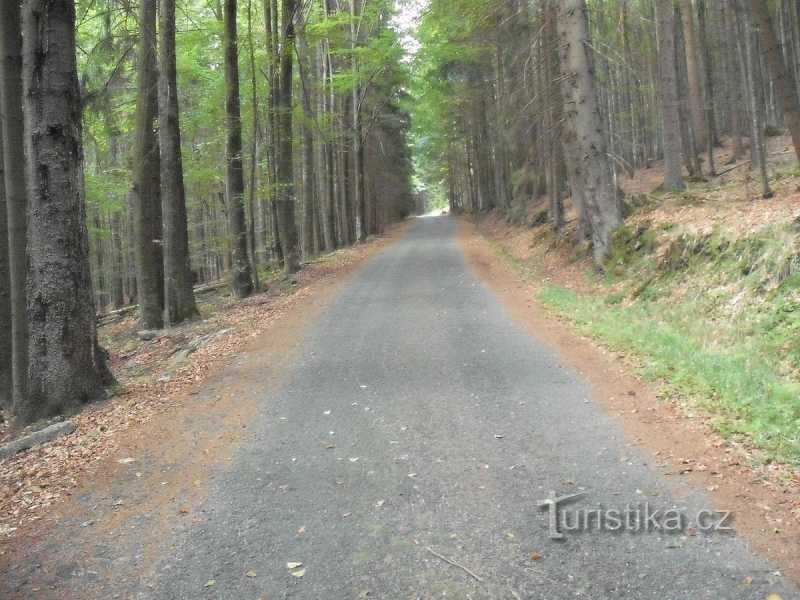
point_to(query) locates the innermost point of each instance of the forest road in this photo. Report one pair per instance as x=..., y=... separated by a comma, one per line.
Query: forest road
x=405, y=456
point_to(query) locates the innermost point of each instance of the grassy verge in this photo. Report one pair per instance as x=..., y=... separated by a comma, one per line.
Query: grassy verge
x=709, y=330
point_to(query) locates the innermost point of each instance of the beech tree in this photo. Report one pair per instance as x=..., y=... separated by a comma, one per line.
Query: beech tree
x=179, y=303
x=146, y=193
x=242, y=282
x=284, y=143
x=66, y=366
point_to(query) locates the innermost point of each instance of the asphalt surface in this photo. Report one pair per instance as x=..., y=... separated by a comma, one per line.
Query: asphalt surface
x=419, y=425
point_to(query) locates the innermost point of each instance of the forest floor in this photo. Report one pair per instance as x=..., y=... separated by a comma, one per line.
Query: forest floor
x=157, y=379
x=698, y=315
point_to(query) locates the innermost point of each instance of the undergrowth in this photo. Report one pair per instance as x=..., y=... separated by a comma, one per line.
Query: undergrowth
x=714, y=318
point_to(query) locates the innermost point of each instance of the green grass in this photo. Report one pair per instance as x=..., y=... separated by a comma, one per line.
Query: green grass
x=738, y=385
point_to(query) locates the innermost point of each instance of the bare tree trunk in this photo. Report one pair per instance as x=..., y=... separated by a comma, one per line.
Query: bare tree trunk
x=286, y=218
x=694, y=73
x=665, y=16
x=782, y=78
x=241, y=281
x=118, y=263
x=66, y=366
x=6, y=345
x=750, y=65
x=15, y=192
x=584, y=124
x=254, y=149
x=146, y=193
x=179, y=300
x=711, y=125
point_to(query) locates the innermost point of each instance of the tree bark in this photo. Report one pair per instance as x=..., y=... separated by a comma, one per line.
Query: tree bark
x=241, y=280
x=694, y=72
x=585, y=126
x=670, y=110
x=179, y=303
x=6, y=345
x=66, y=366
x=782, y=78
x=286, y=196
x=146, y=193
x=16, y=195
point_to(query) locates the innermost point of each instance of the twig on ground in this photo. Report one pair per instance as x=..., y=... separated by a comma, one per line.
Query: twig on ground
x=455, y=564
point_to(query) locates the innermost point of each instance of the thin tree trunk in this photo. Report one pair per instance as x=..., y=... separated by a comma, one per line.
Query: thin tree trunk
x=694, y=73
x=67, y=368
x=286, y=209
x=750, y=64
x=6, y=346
x=15, y=193
x=665, y=16
x=146, y=193
x=254, y=149
x=241, y=281
x=711, y=125
x=179, y=300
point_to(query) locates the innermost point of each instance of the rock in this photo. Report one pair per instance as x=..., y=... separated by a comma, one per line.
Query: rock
x=147, y=335
x=48, y=434
x=182, y=354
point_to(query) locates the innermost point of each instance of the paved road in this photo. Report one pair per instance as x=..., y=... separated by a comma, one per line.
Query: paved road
x=420, y=419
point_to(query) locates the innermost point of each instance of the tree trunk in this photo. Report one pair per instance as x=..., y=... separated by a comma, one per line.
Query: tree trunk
x=694, y=73
x=665, y=16
x=6, y=346
x=15, y=192
x=146, y=194
x=708, y=78
x=749, y=58
x=179, y=303
x=241, y=280
x=782, y=78
x=585, y=126
x=66, y=366
x=254, y=151
x=286, y=218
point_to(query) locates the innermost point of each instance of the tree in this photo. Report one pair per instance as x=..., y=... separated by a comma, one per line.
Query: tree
x=285, y=174
x=782, y=78
x=694, y=72
x=673, y=178
x=179, y=300
x=15, y=193
x=66, y=366
x=585, y=128
x=242, y=282
x=6, y=348
x=146, y=193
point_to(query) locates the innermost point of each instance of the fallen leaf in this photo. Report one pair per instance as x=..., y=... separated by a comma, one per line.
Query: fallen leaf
x=536, y=556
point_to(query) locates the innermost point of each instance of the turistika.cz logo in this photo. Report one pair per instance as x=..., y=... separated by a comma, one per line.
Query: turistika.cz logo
x=638, y=517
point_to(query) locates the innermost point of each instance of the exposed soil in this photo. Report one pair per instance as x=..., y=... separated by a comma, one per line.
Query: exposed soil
x=765, y=500
x=167, y=414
